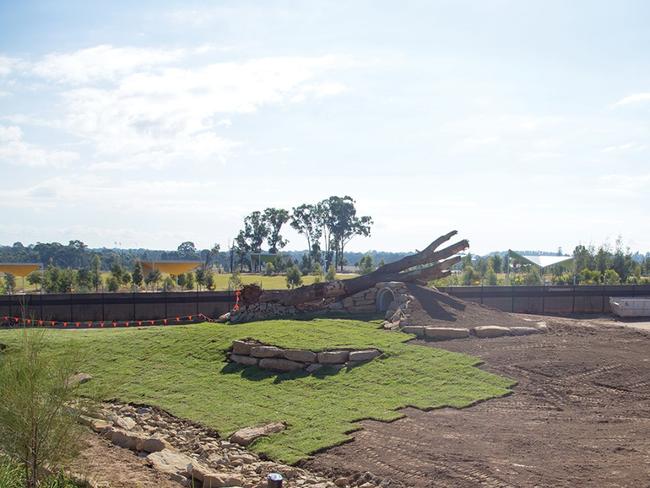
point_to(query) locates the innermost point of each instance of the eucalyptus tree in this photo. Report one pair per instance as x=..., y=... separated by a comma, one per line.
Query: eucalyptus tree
x=275, y=218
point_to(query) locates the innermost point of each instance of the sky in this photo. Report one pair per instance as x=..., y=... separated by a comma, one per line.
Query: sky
x=522, y=124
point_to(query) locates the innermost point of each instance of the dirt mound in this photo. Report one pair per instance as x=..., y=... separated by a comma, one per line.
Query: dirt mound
x=431, y=307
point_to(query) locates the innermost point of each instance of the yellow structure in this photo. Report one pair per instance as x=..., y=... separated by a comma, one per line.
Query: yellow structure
x=19, y=269
x=170, y=267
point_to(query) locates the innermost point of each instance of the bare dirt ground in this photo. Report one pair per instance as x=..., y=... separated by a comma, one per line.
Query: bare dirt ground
x=102, y=464
x=579, y=416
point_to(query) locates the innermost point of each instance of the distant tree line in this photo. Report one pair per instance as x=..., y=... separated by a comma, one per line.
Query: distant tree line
x=602, y=265
x=77, y=255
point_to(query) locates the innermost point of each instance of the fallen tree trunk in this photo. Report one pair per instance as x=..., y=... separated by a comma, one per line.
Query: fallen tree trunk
x=421, y=267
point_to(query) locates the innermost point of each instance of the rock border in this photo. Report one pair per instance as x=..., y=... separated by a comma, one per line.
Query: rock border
x=481, y=332
x=195, y=456
x=251, y=352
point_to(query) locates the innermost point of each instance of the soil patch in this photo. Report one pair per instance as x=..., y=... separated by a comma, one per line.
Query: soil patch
x=104, y=465
x=580, y=416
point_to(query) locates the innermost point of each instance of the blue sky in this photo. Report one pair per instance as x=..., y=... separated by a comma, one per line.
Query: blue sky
x=524, y=125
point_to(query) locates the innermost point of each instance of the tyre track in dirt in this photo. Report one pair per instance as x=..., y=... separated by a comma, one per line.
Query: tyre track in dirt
x=579, y=416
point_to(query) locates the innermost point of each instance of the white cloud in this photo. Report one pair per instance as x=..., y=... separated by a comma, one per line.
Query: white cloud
x=632, y=99
x=629, y=146
x=319, y=90
x=103, y=62
x=624, y=184
x=156, y=118
x=146, y=107
x=14, y=150
x=7, y=65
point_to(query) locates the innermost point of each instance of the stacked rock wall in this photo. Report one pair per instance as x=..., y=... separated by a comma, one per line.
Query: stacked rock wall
x=254, y=353
x=362, y=302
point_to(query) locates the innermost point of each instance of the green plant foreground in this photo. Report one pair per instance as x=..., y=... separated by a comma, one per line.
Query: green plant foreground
x=182, y=369
x=13, y=476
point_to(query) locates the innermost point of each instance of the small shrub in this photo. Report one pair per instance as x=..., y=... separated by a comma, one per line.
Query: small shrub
x=366, y=265
x=234, y=282
x=210, y=282
x=37, y=426
x=491, y=276
x=612, y=277
x=112, y=284
x=190, y=282
x=468, y=275
x=294, y=277
x=331, y=273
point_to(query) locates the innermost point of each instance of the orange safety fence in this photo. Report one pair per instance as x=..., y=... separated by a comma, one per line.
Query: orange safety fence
x=8, y=321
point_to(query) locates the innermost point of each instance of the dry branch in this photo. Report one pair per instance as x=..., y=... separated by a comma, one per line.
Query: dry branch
x=423, y=266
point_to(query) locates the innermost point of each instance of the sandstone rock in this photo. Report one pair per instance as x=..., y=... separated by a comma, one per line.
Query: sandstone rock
x=246, y=360
x=242, y=347
x=78, y=379
x=488, y=331
x=313, y=367
x=218, y=480
x=336, y=367
x=151, y=444
x=266, y=352
x=247, y=435
x=364, y=309
x=445, y=333
x=278, y=364
x=171, y=462
x=520, y=331
x=333, y=357
x=418, y=330
x=124, y=439
x=126, y=423
x=99, y=426
x=211, y=478
x=366, y=355
x=300, y=355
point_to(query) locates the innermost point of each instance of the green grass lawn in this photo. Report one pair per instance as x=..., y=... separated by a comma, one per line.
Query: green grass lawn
x=182, y=369
x=276, y=282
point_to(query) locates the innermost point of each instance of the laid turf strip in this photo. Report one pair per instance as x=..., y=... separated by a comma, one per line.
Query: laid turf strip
x=182, y=369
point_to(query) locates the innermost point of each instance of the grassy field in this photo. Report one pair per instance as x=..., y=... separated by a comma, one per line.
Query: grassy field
x=276, y=282
x=182, y=369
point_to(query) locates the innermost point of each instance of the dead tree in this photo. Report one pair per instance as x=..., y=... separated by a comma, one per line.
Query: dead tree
x=426, y=265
